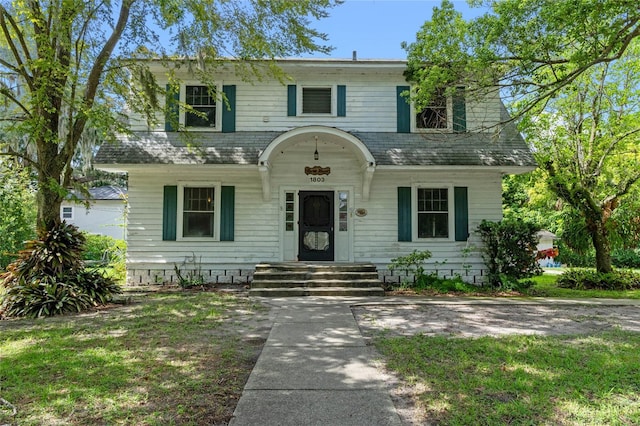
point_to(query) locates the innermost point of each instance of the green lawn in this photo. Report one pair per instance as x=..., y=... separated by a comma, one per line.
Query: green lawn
x=167, y=359
x=521, y=380
x=545, y=286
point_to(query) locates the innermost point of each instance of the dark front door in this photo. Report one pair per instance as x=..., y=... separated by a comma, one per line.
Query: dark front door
x=316, y=225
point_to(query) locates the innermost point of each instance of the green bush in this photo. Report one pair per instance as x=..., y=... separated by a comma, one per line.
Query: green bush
x=574, y=259
x=105, y=251
x=412, y=264
x=509, y=252
x=17, y=211
x=591, y=280
x=626, y=258
x=49, y=277
x=97, y=247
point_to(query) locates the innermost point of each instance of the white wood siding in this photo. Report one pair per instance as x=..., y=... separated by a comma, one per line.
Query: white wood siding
x=103, y=217
x=370, y=102
x=258, y=227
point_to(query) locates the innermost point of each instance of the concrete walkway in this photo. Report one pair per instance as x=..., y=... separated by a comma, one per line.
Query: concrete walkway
x=315, y=369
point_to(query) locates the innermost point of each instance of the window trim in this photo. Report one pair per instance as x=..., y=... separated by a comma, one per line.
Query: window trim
x=219, y=106
x=217, y=204
x=450, y=211
x=334, y=99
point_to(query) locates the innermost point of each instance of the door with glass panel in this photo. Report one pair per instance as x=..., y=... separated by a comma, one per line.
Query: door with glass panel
x=316, y=226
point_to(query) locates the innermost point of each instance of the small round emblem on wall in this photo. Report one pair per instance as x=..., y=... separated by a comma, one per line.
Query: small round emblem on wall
x=361, y=212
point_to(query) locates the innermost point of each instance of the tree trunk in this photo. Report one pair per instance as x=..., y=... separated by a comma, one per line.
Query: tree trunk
x=602, y=246
x=50, y=191
x=49, y=200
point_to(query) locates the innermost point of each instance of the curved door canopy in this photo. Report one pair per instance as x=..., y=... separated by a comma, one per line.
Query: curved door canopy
x=316, y=238
x=308, y=133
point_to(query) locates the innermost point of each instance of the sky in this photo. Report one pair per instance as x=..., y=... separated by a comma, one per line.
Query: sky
x=375, y=28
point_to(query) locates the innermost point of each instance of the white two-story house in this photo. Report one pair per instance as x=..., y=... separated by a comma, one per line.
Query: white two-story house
x=332, y=165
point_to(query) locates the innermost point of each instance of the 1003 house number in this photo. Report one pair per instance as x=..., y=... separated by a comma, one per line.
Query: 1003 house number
x=316, y=179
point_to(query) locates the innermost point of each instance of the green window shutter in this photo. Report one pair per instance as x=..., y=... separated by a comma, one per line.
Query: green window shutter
x=459, y=111
x=403, y=110
x=171, y=108
x=229, y=111
x=227, y=212
x=169, y=213
x=342, y=101
x=291, y=100
x=461, y=213
x=404, y=213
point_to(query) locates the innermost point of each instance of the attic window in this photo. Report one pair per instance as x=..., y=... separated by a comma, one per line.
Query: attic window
x=201, y=100
x=434, y=116
x=316, y=100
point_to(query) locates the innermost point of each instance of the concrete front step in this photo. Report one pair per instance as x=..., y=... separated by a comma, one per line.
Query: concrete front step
x=315, y=267
x=315, y=278
x=316, y=291
x=362, y=283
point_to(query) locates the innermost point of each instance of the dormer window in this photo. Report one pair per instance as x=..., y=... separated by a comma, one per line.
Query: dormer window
x=434, y=115
x=200, y=99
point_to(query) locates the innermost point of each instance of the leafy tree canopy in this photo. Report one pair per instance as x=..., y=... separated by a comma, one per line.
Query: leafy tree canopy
x=529, y=48
x=67, y=65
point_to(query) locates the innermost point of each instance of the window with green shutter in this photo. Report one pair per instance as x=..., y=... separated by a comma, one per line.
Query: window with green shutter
x=169, y=213
x=342, y=101
x=292, y=105
x=403, y=110
x=172, y=108
x=229, y=109
x=404, y=214
x=198, y=212
x=461, y=213
x=459, y=111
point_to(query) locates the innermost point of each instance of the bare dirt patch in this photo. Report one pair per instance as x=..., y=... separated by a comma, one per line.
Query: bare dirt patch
x=495, y=319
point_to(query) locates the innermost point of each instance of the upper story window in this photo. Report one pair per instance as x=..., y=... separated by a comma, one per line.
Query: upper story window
x=434, y=116
x=316, y=100
x=201, y=100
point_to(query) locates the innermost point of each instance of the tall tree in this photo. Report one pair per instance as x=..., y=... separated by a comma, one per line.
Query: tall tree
x=529, y=49
x=66, y=65
x=569, y=70
x=587, y=140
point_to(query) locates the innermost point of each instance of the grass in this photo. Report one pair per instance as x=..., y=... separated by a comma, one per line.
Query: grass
x=569, y=380
x=168, y=359
x=545, y=286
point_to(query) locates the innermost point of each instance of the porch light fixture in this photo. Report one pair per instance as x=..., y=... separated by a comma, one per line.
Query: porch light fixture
x=316, y=156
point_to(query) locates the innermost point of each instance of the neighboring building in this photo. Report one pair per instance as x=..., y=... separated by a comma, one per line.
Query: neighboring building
x=547, y=250
x=105, y=214
x=335, y=165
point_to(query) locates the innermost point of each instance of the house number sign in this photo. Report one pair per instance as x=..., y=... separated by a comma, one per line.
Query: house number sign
x=317, y=173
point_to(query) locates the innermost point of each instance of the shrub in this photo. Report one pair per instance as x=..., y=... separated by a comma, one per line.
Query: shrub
x=98, y=247
x=17, y=210
x=49, y=277
x=572, y=258
x=509, y=251
x=412, y=264
x=593, y=280
x=626, y=258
